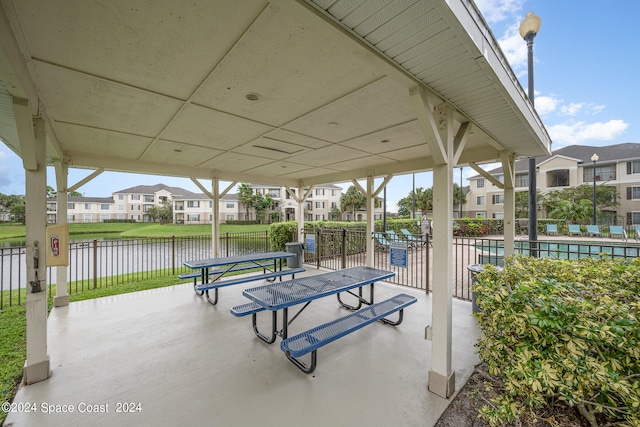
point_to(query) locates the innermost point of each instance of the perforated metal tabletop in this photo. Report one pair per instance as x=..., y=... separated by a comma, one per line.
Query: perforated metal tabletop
x=285, y=294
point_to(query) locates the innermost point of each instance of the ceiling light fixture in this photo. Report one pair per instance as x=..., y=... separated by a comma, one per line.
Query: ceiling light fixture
x=252, y=96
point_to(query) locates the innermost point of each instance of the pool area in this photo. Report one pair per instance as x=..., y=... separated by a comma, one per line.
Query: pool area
x=492, y=251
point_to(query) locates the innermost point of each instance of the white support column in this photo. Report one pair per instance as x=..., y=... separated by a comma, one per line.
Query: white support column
x=508, y=166
x=437, y=125
x=301, y=197
x=215, y=222
x=62, y=174
x=370, y=224
x=37, y=364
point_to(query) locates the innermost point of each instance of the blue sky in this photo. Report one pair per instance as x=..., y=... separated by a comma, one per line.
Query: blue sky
x=585, y=66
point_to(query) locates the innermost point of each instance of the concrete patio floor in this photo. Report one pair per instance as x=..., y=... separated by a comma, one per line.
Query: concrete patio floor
x=178, y=360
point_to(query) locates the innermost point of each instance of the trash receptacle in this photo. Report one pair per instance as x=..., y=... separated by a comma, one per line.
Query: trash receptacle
x=295, y=248
x=474, y=269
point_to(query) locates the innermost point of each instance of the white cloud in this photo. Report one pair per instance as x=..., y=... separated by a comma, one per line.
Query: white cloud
x=546, y=104
x=498, y=10
x=570, y=133
x=580, y=107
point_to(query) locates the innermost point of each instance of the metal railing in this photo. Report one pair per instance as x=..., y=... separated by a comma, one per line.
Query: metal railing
x=102, y=263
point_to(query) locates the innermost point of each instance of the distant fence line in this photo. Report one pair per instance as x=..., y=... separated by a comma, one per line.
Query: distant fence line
x=101, y=263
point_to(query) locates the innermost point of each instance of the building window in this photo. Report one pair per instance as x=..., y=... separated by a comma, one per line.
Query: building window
x=69, y=218
x=319, y=191
x=603, y=173
x=334, y=205
x=498, y=199
x=319, y=205
x=87, y=218
x=71, y=205
x=635, y=217
x=334, y=192
x=87, y=206
x=522, y=180
x=120, y=196
x=500, y=178
x=135, y=217
x=210, y=204
x=120, y=207
x=147, y=207
x=193, y=204
x=633, y=193
x=230, y=217
x=480, y=200
x=193, y=218
x=104, y=206
x=120, y=216
x=231, y=206
x=104, y=217
x=633, y=167
x=148, y=199
x=480, y=183
x=319, y=217
x=135, y=197
x=135, y=207
x=498, y=215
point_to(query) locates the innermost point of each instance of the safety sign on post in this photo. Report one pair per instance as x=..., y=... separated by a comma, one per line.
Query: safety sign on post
x=58, y=245
x=398, y=254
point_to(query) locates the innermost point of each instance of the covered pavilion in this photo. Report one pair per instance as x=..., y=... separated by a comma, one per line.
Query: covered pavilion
x=293, y=93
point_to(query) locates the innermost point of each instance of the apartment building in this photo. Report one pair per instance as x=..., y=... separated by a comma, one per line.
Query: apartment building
x=617, y=165
x=196, y=208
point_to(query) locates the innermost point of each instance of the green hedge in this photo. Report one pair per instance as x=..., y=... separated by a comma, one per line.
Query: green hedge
x=563, y=330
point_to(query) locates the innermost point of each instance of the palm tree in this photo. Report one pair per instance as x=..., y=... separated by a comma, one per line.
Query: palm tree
x=352, y=200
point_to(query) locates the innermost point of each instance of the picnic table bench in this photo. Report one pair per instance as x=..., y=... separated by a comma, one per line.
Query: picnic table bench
x=212, y=279
x=279, y=297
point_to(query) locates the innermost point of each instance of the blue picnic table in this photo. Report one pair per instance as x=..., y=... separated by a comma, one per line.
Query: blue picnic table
x=214, y=272
x=279, y=297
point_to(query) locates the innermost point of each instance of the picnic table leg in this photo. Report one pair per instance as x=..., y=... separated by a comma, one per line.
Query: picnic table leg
x=274, y=327
x=304, y=368
x=389, y=322
x=213, y=301
x=195, y=283
x=361, y=300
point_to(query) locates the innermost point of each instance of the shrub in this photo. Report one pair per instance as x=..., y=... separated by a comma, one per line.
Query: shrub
x=562, y=329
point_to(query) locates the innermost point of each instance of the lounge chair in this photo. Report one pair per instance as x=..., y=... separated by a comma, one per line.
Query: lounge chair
x=393, y=236
x=413, y=239
x=593, y=231
x=636, y=235
x=381, y=242
x=617, y=230
x=574, y=229
x=552, y=229
x=524, y=225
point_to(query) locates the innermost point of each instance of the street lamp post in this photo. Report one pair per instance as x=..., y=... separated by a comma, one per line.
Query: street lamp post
x=528, y=30
x=594, y=159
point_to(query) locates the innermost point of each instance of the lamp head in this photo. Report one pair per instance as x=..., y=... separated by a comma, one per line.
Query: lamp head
x=530, y=25
x=594, y=158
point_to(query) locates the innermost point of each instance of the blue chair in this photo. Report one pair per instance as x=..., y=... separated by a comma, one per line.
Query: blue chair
x=413, y=239
x=574, y=229
x=381, y=241
x=552, y=229
x=593, y=231
x=617, y=230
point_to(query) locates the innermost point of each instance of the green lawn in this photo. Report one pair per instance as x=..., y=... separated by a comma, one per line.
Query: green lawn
x=131, y=230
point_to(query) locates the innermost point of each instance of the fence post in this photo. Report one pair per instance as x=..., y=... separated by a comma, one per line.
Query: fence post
x=95, y=263
x=226, y=244
x=266, y=240
x=318, y=246
x=426, y=247
x=173, y=255
x=344, y=248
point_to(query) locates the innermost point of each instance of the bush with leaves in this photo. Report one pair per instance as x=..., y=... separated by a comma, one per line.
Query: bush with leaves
x=563, y=330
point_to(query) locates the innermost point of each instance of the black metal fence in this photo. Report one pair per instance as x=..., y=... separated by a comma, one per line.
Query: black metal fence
x=97, y=264
x=102, y=263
